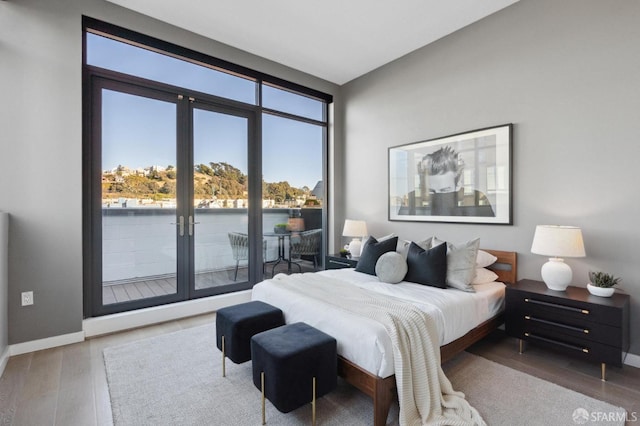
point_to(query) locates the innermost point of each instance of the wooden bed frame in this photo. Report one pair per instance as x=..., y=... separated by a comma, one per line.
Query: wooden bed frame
x=383, y=390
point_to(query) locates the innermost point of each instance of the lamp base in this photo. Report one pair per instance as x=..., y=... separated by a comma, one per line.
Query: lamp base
x=556, y=274
x=355, y=248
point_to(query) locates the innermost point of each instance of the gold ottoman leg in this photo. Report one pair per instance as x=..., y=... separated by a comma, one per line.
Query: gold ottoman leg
x=313, y=404
x=224, y=370
x=264, y=420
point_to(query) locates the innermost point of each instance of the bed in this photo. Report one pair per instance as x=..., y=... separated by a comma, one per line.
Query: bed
x=370, y=370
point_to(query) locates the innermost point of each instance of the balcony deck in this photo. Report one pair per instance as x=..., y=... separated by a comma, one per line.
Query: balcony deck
x=124, y=291
x=139, y=249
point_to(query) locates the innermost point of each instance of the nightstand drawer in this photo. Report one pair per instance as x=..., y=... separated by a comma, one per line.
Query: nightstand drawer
x=572, y=321
x=564, y=309
x=588, y=350
x=335, y=262
x=537, y=322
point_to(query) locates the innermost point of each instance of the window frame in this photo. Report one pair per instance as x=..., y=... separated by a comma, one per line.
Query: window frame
x=90, y=25
x=161, y=46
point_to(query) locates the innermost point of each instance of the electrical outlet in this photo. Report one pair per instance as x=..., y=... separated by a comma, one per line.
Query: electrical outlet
x=27, y=298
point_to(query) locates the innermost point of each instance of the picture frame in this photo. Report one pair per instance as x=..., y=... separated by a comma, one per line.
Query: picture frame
x=462, y=178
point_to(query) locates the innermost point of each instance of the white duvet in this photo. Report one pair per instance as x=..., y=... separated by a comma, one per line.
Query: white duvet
x=364, y=341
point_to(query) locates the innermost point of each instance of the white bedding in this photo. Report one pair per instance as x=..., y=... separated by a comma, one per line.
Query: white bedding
x=364, y=341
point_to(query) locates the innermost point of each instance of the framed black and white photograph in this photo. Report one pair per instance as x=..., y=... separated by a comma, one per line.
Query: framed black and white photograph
x=462, y=178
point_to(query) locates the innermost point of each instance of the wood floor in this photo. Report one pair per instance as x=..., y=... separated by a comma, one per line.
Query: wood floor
x=621, y=389
x=67, y=385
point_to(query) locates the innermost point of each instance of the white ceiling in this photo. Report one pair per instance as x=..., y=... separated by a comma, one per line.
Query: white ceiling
x=336, y=40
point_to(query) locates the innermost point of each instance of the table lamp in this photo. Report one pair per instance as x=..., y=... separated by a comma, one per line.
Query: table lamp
x=356, y=229
x=557, y=242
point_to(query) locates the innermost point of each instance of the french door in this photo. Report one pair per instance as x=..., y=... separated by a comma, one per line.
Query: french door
x=163, y=166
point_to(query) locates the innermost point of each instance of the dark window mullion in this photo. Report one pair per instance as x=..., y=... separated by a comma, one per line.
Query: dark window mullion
x=294, y=117
x=184, y=193
x=255, y=197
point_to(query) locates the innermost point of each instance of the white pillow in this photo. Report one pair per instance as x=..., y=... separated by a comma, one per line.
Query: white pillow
x=461, y=263
x=484, y=276
x=485, y=259
x=403, y=246
x=425, y=244
x=391, y=267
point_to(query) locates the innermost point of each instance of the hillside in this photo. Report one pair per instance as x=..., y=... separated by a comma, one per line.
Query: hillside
x=216, y=180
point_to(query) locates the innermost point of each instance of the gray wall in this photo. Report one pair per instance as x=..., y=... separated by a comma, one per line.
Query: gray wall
x=4, y=285
x=567, y=74
x=41, y=148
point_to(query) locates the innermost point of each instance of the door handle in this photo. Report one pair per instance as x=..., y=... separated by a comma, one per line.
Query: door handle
x=191, y=223
x=180, y=224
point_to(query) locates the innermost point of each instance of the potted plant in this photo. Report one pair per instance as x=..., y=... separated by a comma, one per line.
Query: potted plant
x=344, y=252
x=602, y=284
x=280, y=228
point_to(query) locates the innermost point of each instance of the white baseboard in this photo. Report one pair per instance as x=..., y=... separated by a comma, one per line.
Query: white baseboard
x=632, y=360
x=127, y=320
x=46, y=343
x=4, y=358
x=142, y=317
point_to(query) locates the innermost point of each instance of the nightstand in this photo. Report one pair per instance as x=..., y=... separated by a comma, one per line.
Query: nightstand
x=572, y=321
x=335, y=261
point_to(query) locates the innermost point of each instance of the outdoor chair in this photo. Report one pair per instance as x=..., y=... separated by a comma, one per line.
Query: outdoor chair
x=240, y=250
x=306, y=243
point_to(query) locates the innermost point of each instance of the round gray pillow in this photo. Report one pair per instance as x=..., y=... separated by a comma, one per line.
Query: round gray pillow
x=391, y=267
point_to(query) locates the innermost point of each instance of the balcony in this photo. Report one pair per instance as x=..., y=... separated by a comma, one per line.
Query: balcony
x=139, y=248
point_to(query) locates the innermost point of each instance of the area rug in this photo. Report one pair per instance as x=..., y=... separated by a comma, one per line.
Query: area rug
x=176, y=379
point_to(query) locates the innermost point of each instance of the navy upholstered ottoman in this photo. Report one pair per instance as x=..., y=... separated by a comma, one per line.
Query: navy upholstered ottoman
x=298, y=364
x=235, y=325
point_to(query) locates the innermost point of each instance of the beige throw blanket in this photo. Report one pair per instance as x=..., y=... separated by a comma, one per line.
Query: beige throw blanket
x=425, y=394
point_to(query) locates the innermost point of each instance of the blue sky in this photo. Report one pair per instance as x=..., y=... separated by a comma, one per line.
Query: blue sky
x=140, y=132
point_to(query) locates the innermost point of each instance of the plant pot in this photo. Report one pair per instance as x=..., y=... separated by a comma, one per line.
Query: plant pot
x=601, y=291
x=280, y=230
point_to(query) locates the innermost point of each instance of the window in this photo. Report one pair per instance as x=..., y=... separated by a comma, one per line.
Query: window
x=293, y=103
x=114, y=55
x=189, y=161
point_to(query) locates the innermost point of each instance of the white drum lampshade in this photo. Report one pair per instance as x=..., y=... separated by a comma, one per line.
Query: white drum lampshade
x=355, y=229
x=557, y=242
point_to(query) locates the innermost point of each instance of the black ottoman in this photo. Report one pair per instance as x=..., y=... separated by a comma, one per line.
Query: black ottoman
x=235, y=325
x=299, y=364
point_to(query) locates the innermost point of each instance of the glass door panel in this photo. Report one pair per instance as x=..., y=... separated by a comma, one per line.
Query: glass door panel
x=293, y=194
x=138, y=174
x=220, y=199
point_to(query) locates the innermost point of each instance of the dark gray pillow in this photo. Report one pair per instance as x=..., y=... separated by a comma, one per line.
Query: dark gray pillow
x=427, y=267
x=372, y=251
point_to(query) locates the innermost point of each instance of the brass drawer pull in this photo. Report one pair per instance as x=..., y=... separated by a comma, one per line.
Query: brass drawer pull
x=553, y=305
